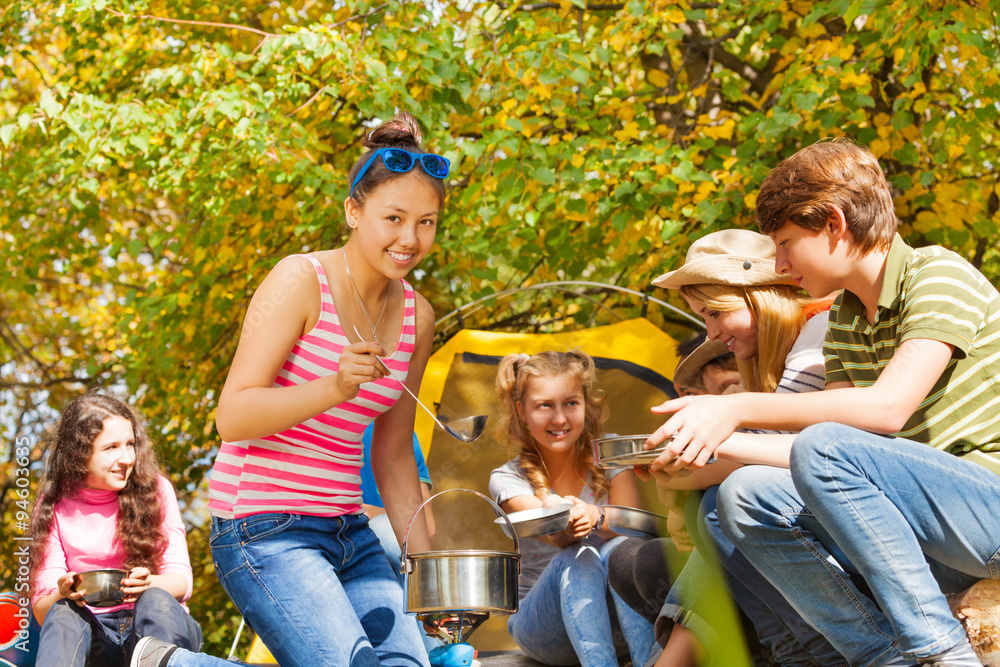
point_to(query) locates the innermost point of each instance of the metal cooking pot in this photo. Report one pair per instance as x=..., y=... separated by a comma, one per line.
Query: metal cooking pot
x=461, y=580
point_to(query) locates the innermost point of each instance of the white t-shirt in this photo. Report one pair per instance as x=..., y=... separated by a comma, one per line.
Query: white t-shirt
x=805, y=366
x=508, y=481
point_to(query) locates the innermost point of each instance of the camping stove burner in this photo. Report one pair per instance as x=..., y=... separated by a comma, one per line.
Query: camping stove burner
x=452, y=627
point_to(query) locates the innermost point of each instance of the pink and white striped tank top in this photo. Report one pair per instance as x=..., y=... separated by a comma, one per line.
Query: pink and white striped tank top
x=312, y=468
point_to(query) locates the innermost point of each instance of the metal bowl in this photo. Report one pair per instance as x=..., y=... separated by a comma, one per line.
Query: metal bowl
x=635, y=522
x=624, y=451
x=102, y=588
x=537, y=521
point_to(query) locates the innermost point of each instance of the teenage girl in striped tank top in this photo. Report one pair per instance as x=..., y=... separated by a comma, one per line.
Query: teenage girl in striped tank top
x=290, y=542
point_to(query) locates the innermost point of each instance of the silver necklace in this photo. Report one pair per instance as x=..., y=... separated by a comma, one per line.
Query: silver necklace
x=358, y=299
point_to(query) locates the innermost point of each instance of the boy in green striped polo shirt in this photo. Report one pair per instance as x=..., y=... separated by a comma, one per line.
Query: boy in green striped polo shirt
x=895, y=476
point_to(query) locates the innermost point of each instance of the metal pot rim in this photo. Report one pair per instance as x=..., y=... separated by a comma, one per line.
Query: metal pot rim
x=462, y=553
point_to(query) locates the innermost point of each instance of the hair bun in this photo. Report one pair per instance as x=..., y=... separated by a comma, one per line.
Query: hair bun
x=400, y=131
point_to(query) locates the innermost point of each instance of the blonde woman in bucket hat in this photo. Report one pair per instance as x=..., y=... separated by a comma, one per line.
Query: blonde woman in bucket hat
x=776, y=334
x=728, y=278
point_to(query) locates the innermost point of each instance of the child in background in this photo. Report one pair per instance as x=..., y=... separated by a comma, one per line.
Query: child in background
x=709, y=369
x=551, y=409
x=103, y=503
x=683, y=350
x=378, y=520
x=640, y=568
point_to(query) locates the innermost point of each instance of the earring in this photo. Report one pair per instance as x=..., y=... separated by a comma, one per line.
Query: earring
x=352, y=223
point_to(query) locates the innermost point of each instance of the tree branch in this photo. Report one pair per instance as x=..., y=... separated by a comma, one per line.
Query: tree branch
x=208, y=24
x=758, y=79
x=45, y=384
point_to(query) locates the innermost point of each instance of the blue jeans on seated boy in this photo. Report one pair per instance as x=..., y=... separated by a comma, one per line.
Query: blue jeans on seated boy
x=785, y=635
x=318, y=590
x=915, y=522
x=74, y=636
x=564, y=619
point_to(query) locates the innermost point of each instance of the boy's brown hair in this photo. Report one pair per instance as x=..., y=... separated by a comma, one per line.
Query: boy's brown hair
x=802, y=188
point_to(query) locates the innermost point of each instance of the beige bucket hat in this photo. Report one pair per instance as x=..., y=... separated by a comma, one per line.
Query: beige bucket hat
x=688, y=371
x=730, y=257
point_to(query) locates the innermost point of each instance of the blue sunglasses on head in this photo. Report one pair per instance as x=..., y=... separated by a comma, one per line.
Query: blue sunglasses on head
x=402, y=161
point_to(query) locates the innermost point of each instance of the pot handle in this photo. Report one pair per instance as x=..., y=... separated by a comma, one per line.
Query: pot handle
x=404, y=566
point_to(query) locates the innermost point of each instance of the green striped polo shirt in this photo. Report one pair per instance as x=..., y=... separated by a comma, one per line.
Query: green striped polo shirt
x=936, y=294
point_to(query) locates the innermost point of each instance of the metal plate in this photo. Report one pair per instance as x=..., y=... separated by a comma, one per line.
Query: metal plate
x=103, y=587
x=635, y=522
x=624, y=451
x=537, y=521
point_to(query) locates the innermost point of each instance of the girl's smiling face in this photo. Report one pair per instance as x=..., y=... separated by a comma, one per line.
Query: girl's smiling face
x=736, y=328
x=397, y=223
x=553, y=408
x=113, y=456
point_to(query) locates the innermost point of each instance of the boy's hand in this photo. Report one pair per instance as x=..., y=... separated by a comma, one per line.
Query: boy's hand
x=700, y=424
x=662, y=433
x=660, y=476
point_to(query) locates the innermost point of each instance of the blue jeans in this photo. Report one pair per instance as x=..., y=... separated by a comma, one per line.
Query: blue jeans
x=318, y=590
x=387, y=538
x=565, y=618
x=913, y=521
x=788, y=638
x=74, y=636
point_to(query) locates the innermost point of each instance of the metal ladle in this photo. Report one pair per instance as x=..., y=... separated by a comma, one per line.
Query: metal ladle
x=466, y=429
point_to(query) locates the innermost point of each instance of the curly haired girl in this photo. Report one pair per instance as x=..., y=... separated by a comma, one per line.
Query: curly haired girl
x=103, y=503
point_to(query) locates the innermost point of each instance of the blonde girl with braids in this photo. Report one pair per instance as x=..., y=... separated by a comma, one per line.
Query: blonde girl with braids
x=551, y=409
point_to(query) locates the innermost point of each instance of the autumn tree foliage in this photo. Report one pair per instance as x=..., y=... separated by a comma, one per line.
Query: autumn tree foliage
x=159, y=156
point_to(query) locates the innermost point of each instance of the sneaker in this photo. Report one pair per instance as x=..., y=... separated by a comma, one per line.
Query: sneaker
x=151, y=652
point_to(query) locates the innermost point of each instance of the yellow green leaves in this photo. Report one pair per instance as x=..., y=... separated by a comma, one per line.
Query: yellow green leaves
x=166, y=166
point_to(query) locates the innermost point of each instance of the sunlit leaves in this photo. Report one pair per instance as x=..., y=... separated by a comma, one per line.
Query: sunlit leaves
x=153, y=170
